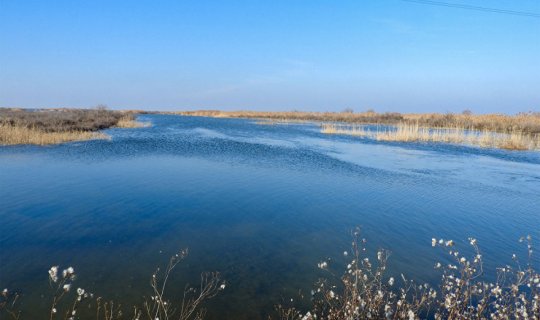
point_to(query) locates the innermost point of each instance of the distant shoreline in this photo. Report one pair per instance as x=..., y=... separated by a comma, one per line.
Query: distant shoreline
x=510, y=132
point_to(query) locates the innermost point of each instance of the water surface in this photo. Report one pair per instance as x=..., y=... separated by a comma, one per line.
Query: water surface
x=262, y=204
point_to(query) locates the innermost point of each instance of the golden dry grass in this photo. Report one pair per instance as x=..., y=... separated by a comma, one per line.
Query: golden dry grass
x=513, y=132
x=366, y=117
x=130, y=122
x=12, y=135
x=273, y=122
x=350, y=130
x=51, y=126
x=523, y=122
x=404, y=132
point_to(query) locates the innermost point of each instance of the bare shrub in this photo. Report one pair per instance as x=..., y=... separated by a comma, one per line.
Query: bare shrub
x=49, y=126
x=65, y=299
x=365, y=292
x=61, y=120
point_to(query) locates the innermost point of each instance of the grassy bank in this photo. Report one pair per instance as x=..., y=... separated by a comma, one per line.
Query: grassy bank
x=513, y=132
x=51, y=126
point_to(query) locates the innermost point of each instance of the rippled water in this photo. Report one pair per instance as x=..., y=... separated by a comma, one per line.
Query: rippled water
x=261, y=204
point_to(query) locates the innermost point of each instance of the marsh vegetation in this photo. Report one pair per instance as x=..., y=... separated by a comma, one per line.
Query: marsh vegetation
x=50, y=126
x=513, y=132
x=514, y=140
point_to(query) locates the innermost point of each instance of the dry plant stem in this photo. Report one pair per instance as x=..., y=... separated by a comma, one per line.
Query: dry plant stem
x=58, y=295
x=287, y=313
x=189, y=308
x=98, y=307
x=158, y=307
x=209, y=287
x=8, y=306
x=161, y=308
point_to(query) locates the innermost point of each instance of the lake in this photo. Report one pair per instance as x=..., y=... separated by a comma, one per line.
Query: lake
x=262, y=204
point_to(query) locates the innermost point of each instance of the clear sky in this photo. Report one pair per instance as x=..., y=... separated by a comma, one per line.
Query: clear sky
x=389, y=55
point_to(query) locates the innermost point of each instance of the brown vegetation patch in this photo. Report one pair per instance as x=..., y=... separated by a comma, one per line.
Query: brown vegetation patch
x=129, y=121
x=414, y=133
x=523, y=122
x=51, y=126
x=12, y=135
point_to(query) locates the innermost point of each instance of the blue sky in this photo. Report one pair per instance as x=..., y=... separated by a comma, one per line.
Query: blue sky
x=389, y=55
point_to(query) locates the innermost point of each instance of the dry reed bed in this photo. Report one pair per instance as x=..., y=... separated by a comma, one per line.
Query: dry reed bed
x=273, y=122
x=511, y=132
x=415, y=133
x=11, y=135
x=130, y=122
x=528, y=123
x=52, y=126
x=301, y=116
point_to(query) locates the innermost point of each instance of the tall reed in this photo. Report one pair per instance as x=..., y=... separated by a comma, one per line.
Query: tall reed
x=13, y=135
x=129, y=121
x=404, y=132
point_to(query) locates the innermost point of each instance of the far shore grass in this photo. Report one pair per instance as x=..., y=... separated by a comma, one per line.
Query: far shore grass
x=510, y=132
x=53, y=126
x=526, y=122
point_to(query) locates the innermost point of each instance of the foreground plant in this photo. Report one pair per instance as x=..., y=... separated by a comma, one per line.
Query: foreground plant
x=364, y=292
x=65, y=300
x=160, y=307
